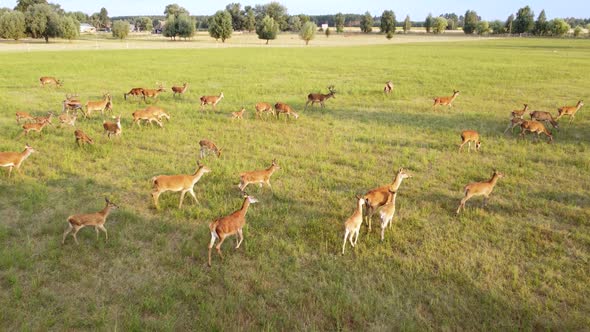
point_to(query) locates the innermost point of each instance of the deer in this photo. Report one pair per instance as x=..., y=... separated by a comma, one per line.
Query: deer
x=182, y=183
x=569, y=110
x=535, y=127
x=135, y=92
x=259, y=176
x=445, y=101
x=229, y=225
x=282, y=108
x=238, y=115
x=387, y=212
x=48, y=118
x=65, y=119
x=208, y=146
x=468, y=136
x=388, y=87
x=145, y=114
x=152, y=93
x=376, y=198
x=514, y=122
x=484, y=188
x=97, y=219
x=544, y=116
x=92, y=106
x=50, y=80
x=37, y=126
x=210, y=100
x=24, y=116
x=320, y=98
x=262, y=108
x=179, y=89
x=15, y=159
x=158, y=113
x=352, y=225
x=72, y=105
x=112, y=128
x=82, y=138
x=519, y=113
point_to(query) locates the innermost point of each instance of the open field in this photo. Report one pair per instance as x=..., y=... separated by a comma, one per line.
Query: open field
x=520, y=263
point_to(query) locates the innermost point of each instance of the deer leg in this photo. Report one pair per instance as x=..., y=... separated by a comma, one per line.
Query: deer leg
x=268, y=183
x=156, y=196
x=218, y=246
x=211, y=243
x=10, y=170
x=96, y=229
x=351, y=238
x=241, y=235
x=68, y=230
x=106, y=234
x=461, y=146
x=76, y=229
x=195, y=197
x=356, y=239
x=181, y=199
x=346, y=232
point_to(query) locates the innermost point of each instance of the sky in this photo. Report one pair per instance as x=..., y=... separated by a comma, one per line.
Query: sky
x=417, y=9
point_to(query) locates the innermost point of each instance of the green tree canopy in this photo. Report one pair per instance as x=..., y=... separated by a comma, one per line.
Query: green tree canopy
x=483, y=28
x=42, y=21
x=440, y=25
x=367, y=23
x=237, y=16
x=308, y=31
x=220, y=26
x=388, y=21
x=524, y=21
x=541, y=25
x=559, y=27
x=470, y=22
x=249, y=19
x=407, y=24
x=509, y=25
x=294, y=23
x=267, y=29
x=70, y=28
x=120, y=29
x=339, y=22
x=23, y=5
x=428, y=23
x=275, y=10
x=12, y=25
x=175, y=10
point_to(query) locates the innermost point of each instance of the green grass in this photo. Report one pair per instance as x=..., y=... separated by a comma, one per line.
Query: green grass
x=520, y=263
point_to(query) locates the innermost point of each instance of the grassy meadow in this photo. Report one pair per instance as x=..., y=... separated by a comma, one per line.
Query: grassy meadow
x=522, y=262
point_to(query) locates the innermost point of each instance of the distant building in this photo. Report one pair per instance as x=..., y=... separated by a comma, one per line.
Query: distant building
x=85, y=27
x=324, y=26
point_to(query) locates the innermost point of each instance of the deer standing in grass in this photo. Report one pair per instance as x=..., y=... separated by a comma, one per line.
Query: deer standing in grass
x=282, y=108
x=388, y=87
x=445, y=101
x=47, y=118
x=159, y=113
x=229, y=225
x=152, y=93
x=24, y=116
x=545, y=117
x=210, y=100
x=352, y=225
x=50, y=80
x=101, y=105
x=37, y=126
x=378, y=197
x=135, y=92
x=484, y=188
x=182, y=183
x=260, y=176
x=69, y=120
x=468, y=136
x=519, y=113
x=387, y=212
x=97, y=219
x=179, y=89
x=113, y=128
x=569, y=110
x=320, y=97
x=514, y=122
x=535, y=127
x=15, y=159
x=71, y=103
x=82, y=138
x=238, y=115
x=263, y=108
x=145, y=114
x=208, y=146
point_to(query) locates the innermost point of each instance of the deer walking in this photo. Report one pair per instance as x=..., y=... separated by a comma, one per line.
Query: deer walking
x=50, y=80
x=514, y=122
x=445, y=101
x=263, y=108
x=24, y=116
x=82, y=138
x=484, y=188
x=135, y=92
x=545, y=117
x=179, y=89
x=378, y=197
x=387, y=212
x=113, y=128
x=468, y=136
x=208, y=146
x=320, y=98
x=535, y=127
x=15, y=159
x=210, y=100
x=519, y=113
x=352, y=225
x=182, y=183
x=97, y=219
x=282, y=108
x=569, y=111
x=238, y=115
x=260, y=176
x=152, y=93
x=37, y=126
x=388, y=87
x=101, y=105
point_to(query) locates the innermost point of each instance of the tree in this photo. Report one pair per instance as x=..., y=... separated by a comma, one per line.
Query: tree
x=79, y=16
x=185, y=26
x=23, y=5
x=103, y=16
x=295, y=23
x=541, y=25
x=144, y=24
x=307, y=32
x=120, y=29
x=559, y=27
x=577, y=31
x=12, y=25
x=275, y=10
x=497, y=27
x=42, y=21
x=509, y=24
x=169, y=29
x=175, y=9
x=237, y=19
x=328, y=32
x=524, y=21
x=367, y=23
x=339, y=22
x=428, y=23
x=483, y=28
x=588, y=29
x=250, y=19
x=440, y=25
x=304, y=18
x=70, y=28
x=470, y=22
x=220, y=26
x=388, y=21
x=267, y=29
x=407, y=24
x=452, y=19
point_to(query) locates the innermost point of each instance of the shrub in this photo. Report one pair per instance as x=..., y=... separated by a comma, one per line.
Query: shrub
x=307, y=32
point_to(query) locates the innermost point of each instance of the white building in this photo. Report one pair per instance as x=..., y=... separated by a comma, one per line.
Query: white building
x=85, y=27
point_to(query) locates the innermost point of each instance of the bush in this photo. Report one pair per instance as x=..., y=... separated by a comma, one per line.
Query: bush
x=12, y=25
x=70, y=28
x=388, y=22
x=220, y=26
x=439, y=25
x=470, y=23
x=307, y=32
x=267, y=29
x=328, y=32
x=339, y=21
x=367, y=23
x=407, y=24
x=120, y=29
x=559, y=27
x=483, y=28
x=577, y=31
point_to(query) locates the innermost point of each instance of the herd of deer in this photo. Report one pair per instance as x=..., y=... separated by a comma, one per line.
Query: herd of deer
x=382, y=198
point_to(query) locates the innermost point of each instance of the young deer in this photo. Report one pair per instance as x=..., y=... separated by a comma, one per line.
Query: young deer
x=97, y=219
x=535, y=127
x=182, y=183
x=514, y=122
x=282, y=108
x=82, y=138
x=15, y=159
x=260, y=176
x=569, y=110
x=445, y=101
x=238, y=115
x=378, y=197
x=352, y=225
x=101, y=105
x=262, y=108
x=229, y=225
x=159, y=113
x=24, y=116
x=519, y=113
x=135, y=92
x=544, y=116
x=208, y=146
x=468, y=136
x=320, y=97
x=48, y=118
x=210, y=100
x=50, y=80
x=112, y=128
x=179, y=89
x=152, y=93
x=145, y=114
x=69, y=120
x=37, y=126
x=387, y=212
x=480, y=188
x=388, y=87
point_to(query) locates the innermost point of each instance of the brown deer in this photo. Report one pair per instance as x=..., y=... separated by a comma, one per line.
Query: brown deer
x=468, y=136
x=238, y=115
x=569, y=110
x=82, y=138
x=480, y=188
x=387, y=212
x=229, y=225
x=535, y=127
x=263, y=108
x=152, y=93
x=544, y=116
x=97, y=219
x=514, y=122
x=50, y=80
x=519, y=113
x=388, y=87
x=37, y=126
x=376, y=198
x=445, y=101
x=210, y=100
x=66, y=119
x=101, y=105
x=72, y=105
x=320, y=98
x=179, y=89
x=15, y=159
x=112, y=128
x=145, y=114
x=135, y=92
x=182, y=183
x=282, y=108
x=260, y=176
x=208, y=146
x=47, y=118
x=352, y=225
x=24, y=116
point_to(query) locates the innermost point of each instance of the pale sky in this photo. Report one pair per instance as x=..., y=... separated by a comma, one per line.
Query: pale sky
x=417, y=9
